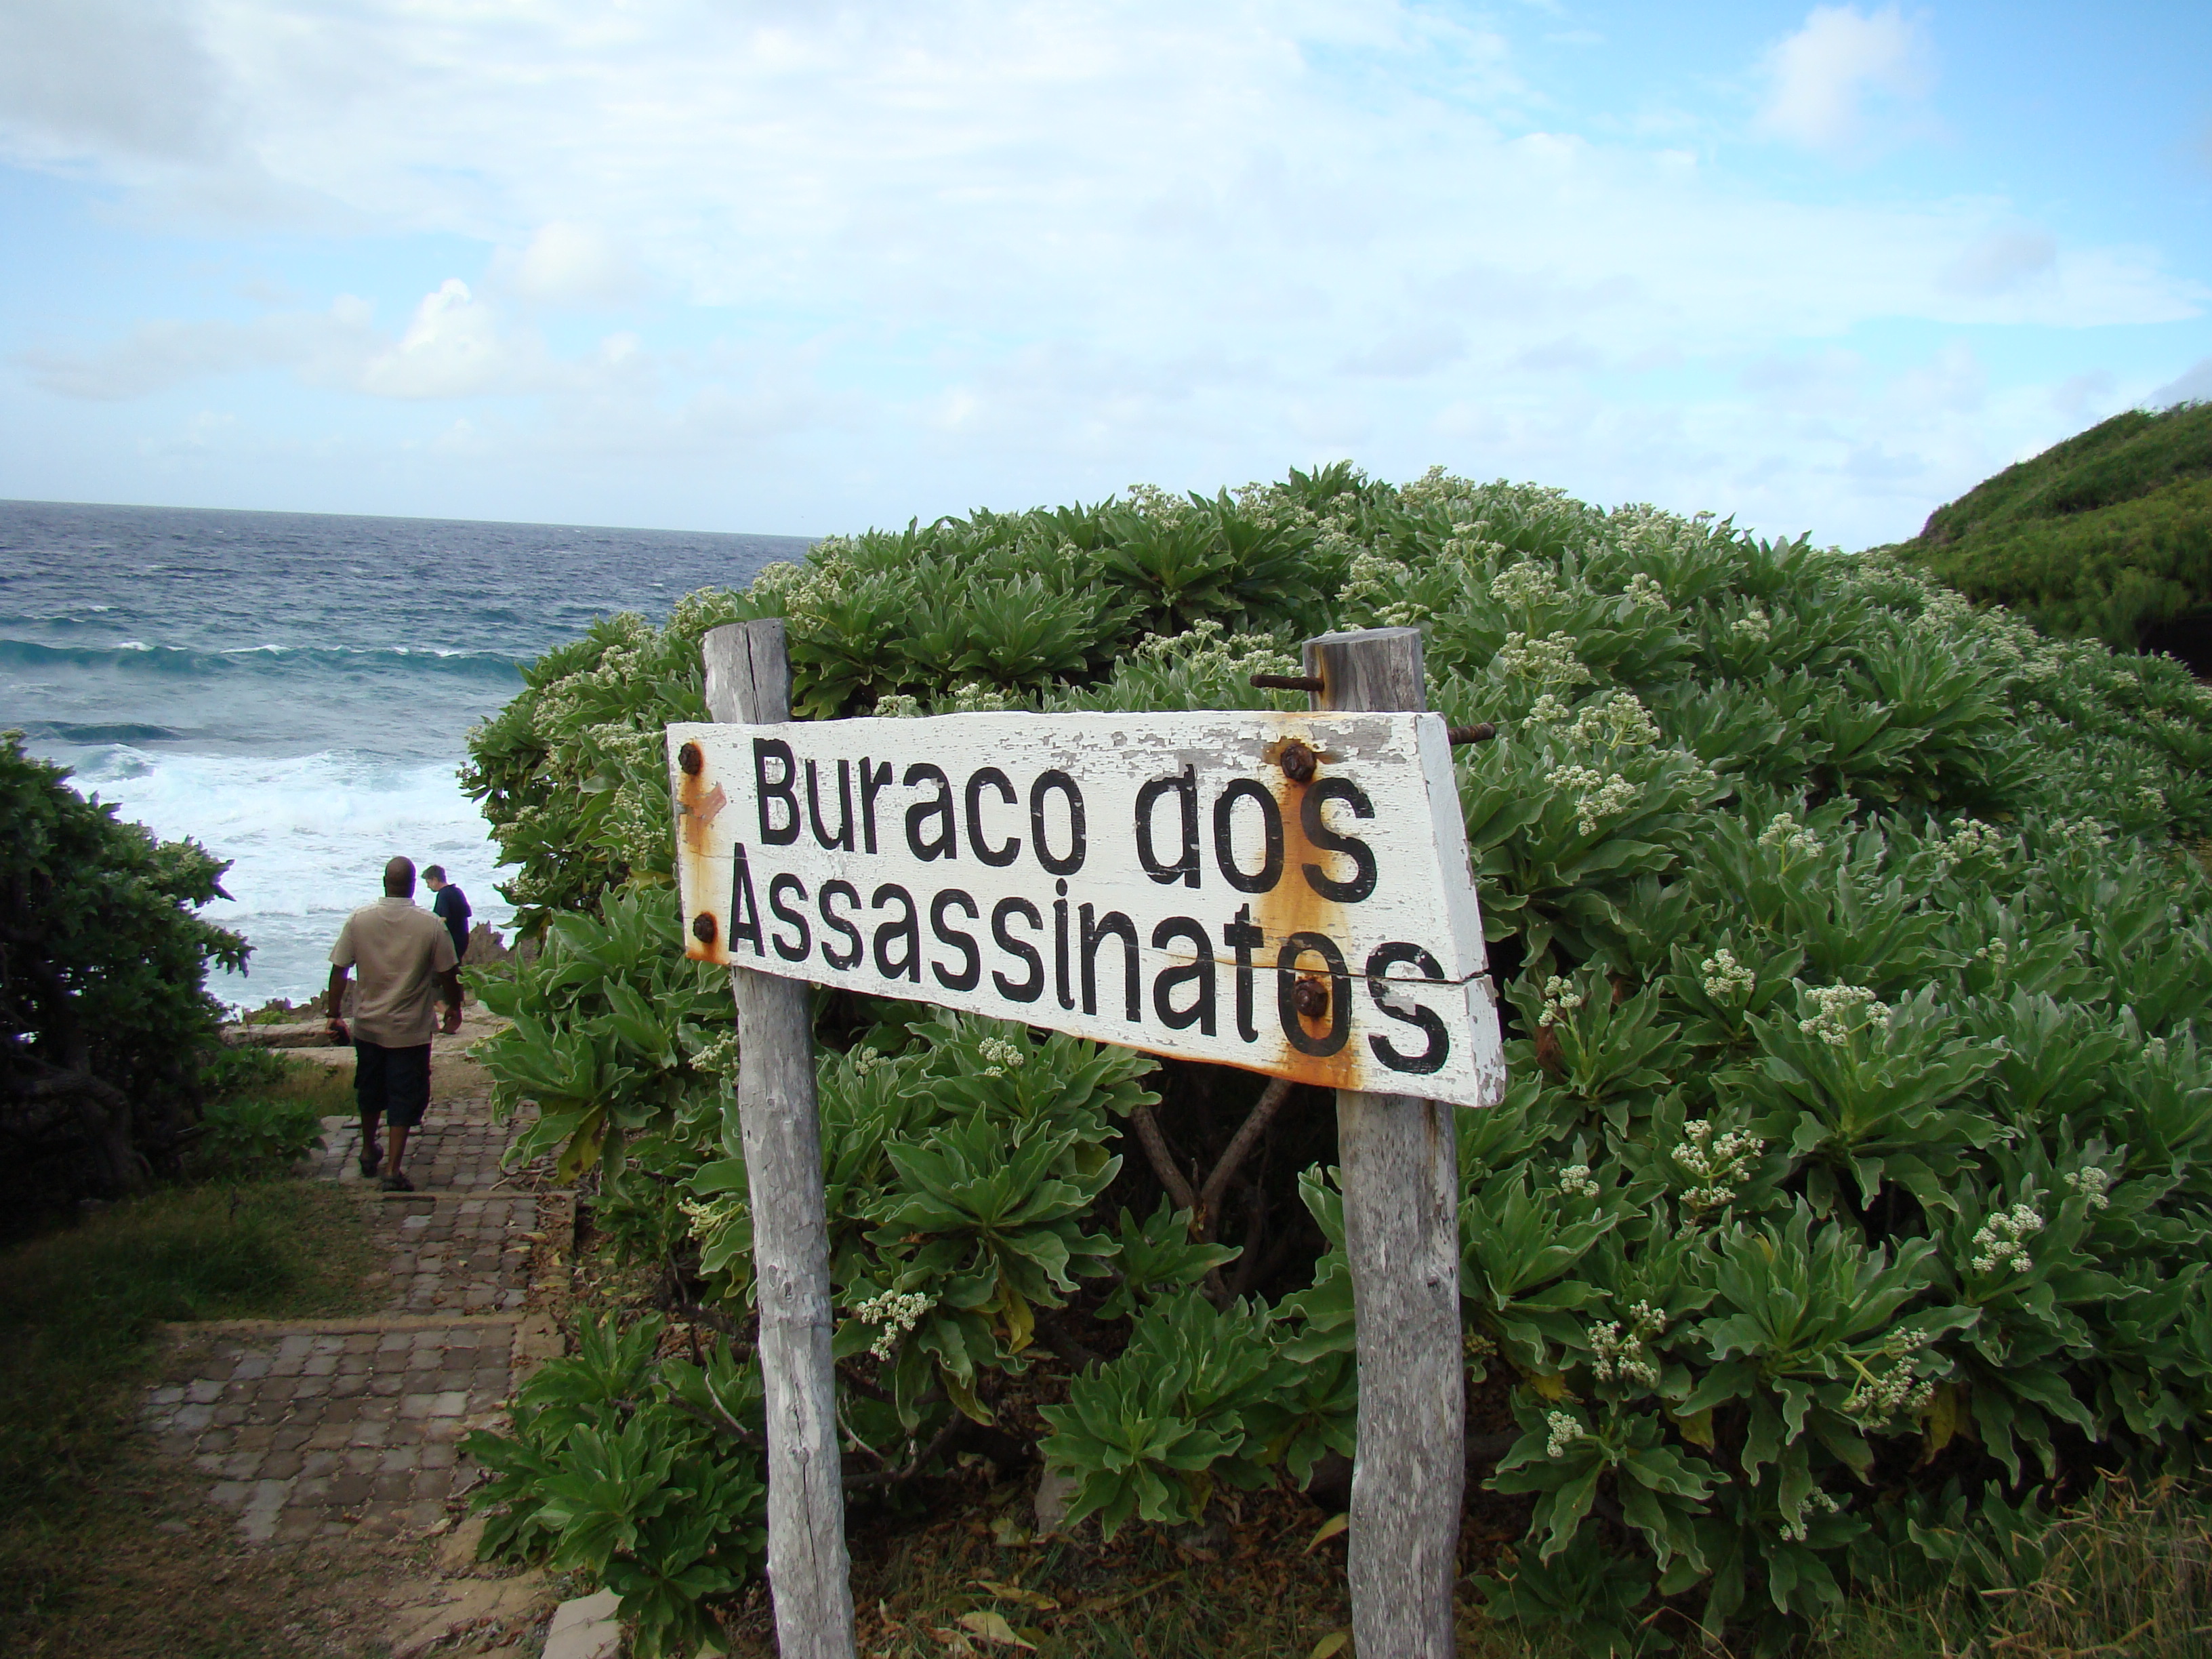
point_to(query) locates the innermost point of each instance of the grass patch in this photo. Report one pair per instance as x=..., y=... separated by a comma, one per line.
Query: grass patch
x=78, y=1310
x=2127, y=1573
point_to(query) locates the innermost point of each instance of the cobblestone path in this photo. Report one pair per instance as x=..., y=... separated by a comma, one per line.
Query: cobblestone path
x=349, y=1426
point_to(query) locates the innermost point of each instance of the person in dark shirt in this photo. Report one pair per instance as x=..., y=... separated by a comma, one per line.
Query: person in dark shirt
x=450, y=907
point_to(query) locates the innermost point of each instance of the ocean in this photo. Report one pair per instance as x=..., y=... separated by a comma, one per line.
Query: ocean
x=294, y=690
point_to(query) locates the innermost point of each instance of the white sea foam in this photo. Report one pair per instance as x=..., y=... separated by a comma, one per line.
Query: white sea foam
x=309, y=835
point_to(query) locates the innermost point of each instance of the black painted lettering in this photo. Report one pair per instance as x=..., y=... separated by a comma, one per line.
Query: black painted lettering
x=1198, y=972
x=850, y=956
x=874, y=779
x=790, y=917
x=776, y=791
x=1271, y=831
x=943, y=842
x=1396, y=1003
x=1112, y=924
x=1056, y=781
x=745, y=909
x=1030, y=989
x=991, y=777
x=1244, y=937
x=1297, y=946
x=1318, y=834
x=968, y=976
x=841, y=841
x=906, y=927
x=1184, y=788
x=1060, y=988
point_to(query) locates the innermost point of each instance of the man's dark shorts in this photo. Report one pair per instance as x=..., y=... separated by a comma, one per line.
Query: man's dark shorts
x=393, y=1084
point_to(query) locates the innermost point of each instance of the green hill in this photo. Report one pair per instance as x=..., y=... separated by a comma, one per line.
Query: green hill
x=2109, y=534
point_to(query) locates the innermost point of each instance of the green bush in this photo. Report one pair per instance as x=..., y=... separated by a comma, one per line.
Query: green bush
x=255, y=1133
x=104, y=1019
x=1855, y=1181
x=2106, y=534
x=642, y=1472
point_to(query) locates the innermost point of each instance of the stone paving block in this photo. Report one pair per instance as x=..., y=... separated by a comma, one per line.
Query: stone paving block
x=304, y=1433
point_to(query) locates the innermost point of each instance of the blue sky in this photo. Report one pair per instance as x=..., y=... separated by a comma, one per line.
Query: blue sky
x=803, y=267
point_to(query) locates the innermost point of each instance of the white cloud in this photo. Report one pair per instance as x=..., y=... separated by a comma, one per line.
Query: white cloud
x=1844, y=72
x=454, y=345
x=574, y=264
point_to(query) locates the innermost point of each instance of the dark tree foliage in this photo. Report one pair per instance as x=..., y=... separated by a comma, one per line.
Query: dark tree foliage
x=105, y=1017
x=2108, y=534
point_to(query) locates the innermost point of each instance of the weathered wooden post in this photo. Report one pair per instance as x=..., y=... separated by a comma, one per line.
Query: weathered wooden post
x=1400, y=1157
x=809, y=1569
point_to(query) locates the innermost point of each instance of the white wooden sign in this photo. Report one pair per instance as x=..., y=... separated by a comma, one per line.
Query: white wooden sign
x=1284, y=892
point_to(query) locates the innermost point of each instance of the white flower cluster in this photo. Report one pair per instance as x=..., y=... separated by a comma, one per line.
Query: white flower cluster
x=1946, y=607
x=637, y=825
x=1527, y=583
x=1622, y=1353
x=1548, y=661
x=2154, y=798
x=799, y=591
x=1565, y=1431
x=1841, y=1010
x=1000, y=1057
x=720, y=1056
x=1375, y=586
x=1785, y=832
x=1753, y=625
x=1597, y=795
x=2002, y=1241
x=2093, y=1184
x=1875, y=1399
x=1560, y=997
x=1575, y=1181
x=897, y=1312
x=1619, y=721
x=1968, y=839
x=974, y=697
x=1206, y=647
x=866, y=1060
x=1997, y=953
x=1793, y=1527
x=1724, y=978
x=2089, y=832
x=1645, y=594
x=1720, y=1165
x=898, y=706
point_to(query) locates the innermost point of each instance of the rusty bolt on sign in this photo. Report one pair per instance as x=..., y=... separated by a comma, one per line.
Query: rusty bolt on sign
x=1310, y=998
x=702, y=927
x=1297, y=761
x=1458, y=735
x=690, y=759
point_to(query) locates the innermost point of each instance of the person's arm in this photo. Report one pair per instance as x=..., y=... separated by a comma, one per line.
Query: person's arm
x=334, y=1003
x=450, y=982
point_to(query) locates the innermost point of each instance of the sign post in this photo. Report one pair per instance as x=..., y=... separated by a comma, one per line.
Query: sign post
x=809, y=1570
x=1399, y=1154
x=1285, y=892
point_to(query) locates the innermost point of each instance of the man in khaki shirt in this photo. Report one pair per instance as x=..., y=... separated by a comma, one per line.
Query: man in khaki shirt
x=405, y=956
